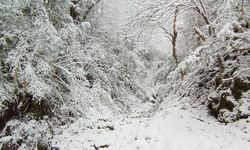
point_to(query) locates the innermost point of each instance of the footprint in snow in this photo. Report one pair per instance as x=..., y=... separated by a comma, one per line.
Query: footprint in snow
x=189, y=128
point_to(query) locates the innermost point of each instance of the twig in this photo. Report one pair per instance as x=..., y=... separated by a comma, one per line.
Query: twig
x=247, y=69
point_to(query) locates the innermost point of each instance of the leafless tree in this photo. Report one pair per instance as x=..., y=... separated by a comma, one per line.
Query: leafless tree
x=164, y=14
x=172, y=36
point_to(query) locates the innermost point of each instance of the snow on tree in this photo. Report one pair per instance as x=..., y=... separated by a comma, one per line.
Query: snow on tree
x=217, y=46
x=61, y=61
x=56, y=67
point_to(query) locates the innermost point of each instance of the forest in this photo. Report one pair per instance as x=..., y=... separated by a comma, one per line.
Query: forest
x=124, y=74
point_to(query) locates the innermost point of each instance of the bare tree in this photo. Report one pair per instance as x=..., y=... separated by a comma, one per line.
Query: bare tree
x=200, y=9
x=172, y=36
x=164, y=14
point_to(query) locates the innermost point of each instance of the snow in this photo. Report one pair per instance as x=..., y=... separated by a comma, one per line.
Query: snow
x=175, y=127
x=128, y=106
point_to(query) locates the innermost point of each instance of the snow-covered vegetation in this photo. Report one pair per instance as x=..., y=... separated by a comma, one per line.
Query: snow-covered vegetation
x=74, y=77
x=56, y=63
x=216, y=69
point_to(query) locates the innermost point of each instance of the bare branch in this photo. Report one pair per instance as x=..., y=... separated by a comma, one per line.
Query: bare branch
x=201, y=35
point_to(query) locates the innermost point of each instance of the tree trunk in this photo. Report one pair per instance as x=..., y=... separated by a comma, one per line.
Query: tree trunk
x=174, y=37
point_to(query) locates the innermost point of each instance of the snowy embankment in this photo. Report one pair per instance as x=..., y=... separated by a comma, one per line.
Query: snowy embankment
x=173, y=127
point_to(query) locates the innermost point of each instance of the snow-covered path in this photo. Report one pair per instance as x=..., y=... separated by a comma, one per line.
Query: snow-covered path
x=179, y=130
x=172, y=129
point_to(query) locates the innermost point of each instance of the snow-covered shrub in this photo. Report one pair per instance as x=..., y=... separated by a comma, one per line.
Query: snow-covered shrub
x=53, y=64
x=229, y=72
x=30, y=135
x=216, y=71
x=228, y=101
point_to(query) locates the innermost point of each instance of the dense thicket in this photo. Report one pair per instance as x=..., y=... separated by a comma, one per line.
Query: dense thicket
x=210, y=52
x=59, y=62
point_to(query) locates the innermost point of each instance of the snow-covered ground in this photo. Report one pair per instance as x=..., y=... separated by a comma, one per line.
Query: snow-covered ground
x=175, y=126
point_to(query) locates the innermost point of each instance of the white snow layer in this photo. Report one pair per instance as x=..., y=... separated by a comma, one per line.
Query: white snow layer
x=175, y=127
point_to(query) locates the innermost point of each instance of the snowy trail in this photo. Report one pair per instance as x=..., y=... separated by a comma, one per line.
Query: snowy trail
x=171, y=129
x=179, y=130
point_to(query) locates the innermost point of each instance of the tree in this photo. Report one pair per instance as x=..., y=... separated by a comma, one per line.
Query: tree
x=172, y=36
x=164, y=14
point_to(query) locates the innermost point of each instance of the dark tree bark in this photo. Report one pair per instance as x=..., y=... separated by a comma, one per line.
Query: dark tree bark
x=172, y=36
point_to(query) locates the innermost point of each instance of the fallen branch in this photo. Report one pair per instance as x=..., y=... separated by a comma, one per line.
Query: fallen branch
x=247, y=69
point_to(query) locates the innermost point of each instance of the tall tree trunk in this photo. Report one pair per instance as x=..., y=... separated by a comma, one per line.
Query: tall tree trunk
x=174, y=36
x=242, y=9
